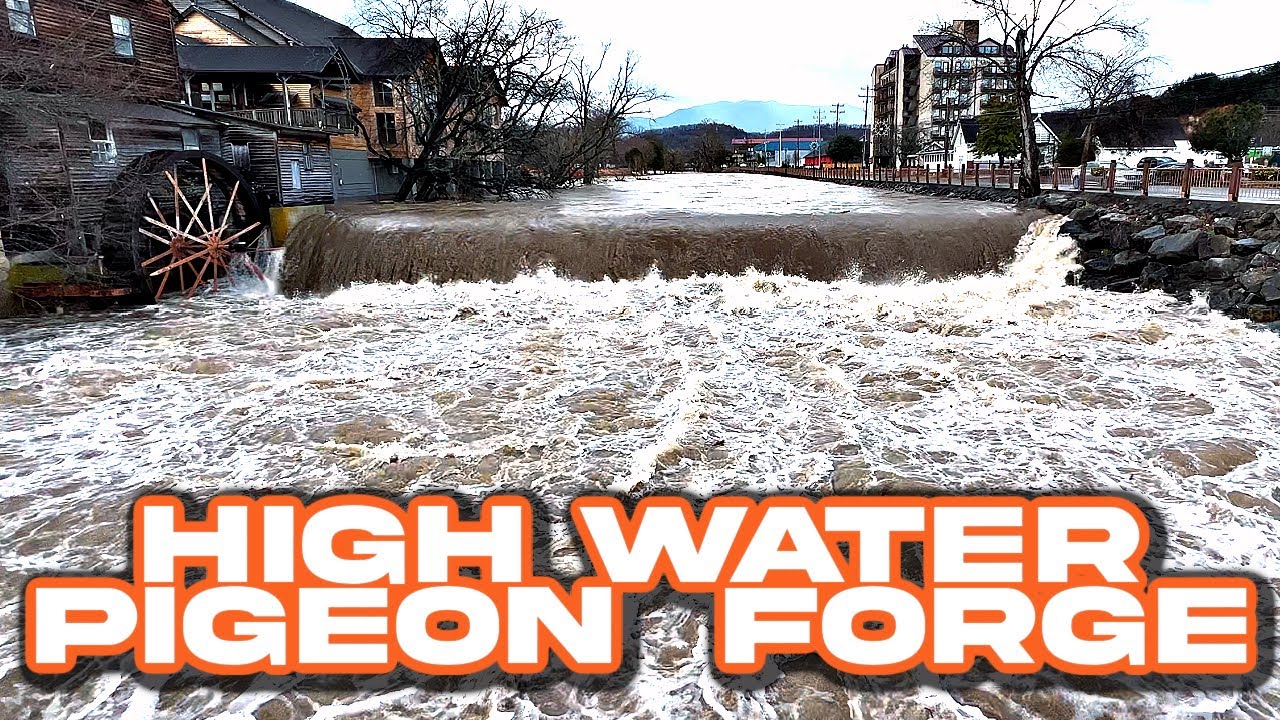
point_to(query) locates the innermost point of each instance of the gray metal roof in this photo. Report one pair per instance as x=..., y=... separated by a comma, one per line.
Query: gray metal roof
x=255, y=59
x=386, y=57
x=301, y=25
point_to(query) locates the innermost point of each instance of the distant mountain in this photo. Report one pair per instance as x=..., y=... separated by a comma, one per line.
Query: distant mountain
x=756, y=116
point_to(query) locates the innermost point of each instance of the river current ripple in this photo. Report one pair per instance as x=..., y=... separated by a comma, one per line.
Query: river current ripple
x=1008, y=381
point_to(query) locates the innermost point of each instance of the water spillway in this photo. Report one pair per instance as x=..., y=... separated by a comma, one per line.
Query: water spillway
x=730, y=225
x=992, y=382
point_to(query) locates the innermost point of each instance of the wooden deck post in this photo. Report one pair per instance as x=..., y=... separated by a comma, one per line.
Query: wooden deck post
x=1111, y=178
x=1186, y=179
x=1237, y=179
x=1146, y=180
x=1055, y=176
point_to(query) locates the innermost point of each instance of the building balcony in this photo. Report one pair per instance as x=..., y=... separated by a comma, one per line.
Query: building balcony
x=308, y=118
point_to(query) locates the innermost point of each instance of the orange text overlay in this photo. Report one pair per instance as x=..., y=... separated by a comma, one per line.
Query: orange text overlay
x=357, y=584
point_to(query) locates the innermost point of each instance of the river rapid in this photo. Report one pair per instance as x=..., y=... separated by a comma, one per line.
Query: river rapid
x=1005, y=381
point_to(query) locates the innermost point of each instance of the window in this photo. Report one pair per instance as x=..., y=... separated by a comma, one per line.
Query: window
x=295, y=172
x=306, y=156
x=190, y=139
x=386, y=128
x=122, y=30
x=102, y=143
x=240, y=156
x=989, y=50
x=382, y=94
x=950, y=49
x=21, y=20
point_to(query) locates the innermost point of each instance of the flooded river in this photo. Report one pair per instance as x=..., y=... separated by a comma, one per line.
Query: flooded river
x=999, y=381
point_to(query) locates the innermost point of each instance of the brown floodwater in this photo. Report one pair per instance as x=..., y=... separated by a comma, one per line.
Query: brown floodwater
x=740, y=380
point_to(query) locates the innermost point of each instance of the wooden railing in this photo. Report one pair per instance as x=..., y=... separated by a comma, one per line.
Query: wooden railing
x=300, y=118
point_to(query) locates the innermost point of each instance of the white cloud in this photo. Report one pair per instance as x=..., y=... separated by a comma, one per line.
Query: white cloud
x=822, y=51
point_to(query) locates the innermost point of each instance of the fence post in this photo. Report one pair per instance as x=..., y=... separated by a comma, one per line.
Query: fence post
x=1237, y=179
x=1186, y=180
x=1010, y=176
x=1084, y=173
x=1055, y=176
x=964, y=170
x=1146, y=180
x=1111, y=178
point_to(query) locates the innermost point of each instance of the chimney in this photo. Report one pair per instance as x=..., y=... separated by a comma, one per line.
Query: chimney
x=967, y=29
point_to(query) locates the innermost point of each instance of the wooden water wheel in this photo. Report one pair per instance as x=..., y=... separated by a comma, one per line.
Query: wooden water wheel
x=176, y=220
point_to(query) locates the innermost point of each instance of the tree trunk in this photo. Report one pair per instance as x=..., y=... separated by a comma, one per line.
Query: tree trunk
x=1029, y=183
x=1088, y=140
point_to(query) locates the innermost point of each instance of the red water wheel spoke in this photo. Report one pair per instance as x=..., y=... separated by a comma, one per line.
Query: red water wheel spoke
x=186, y=239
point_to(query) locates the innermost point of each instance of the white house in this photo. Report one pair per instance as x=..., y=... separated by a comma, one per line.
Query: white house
x=1126, y=144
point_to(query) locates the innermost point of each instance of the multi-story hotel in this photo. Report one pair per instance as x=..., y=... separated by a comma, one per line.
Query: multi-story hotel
x=922, y=91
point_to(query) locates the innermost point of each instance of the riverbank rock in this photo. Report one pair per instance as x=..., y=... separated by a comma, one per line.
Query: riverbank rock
x=6, y=298
x=1228, y=252
x=1174, y=248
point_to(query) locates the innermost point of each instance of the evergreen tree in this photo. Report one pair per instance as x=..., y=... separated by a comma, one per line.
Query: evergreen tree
x=999, y=131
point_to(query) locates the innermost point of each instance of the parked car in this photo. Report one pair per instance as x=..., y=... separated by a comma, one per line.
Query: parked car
x=1154, y=161
x=1096, y=177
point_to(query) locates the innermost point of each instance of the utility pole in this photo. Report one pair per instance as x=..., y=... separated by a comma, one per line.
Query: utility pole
x=836, y=107
x=799, y=128
x=866, y=126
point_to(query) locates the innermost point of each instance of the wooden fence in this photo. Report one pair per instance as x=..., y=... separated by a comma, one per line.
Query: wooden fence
x=1233, y=184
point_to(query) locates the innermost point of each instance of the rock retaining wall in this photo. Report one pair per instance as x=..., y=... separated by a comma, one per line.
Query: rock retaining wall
x=1229, y=252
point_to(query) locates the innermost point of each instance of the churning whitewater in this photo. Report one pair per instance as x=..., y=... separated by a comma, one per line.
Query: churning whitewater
x=1005, y=382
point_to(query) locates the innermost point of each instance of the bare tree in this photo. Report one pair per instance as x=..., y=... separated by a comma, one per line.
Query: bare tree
x=1100, y=80
x=710, y=151
x=47, y=84
x=1039, y=35
x=499, y=85
x=602, y=104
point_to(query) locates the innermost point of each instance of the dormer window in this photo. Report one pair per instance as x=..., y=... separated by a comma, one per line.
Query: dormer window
x=950, y=49
x=989, y=50
x=21, y=20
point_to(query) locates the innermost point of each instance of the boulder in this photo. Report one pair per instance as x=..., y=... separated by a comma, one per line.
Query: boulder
x=1271, y=249
x=1247, y=246
x=1059, y=203
x=1263, y=260
x=1266, y=219
x=1153, y=276
x=1151, y=234
x=1270, y=290
x=1092, y=241
x=1181, y=247
x=1269, y=235
x=1099, y=265
x=1085, y=215
x=1213, y=246
x=1225, y=226
x=1129, y=260
x=1223, y=268
x=1252, y=280
x=1182, y=223
x=1263, y=313
x=1072, y=228
x=1227, y=298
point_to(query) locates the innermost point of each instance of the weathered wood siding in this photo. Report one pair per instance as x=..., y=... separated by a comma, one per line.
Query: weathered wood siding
x=317, y=183
x=35, y=189
x=361, y=95
x=263, y=170
x=200, y=27
x=80, y=32
x=92, y=180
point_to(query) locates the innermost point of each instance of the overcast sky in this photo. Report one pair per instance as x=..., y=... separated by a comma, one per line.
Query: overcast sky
x=822, y=51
